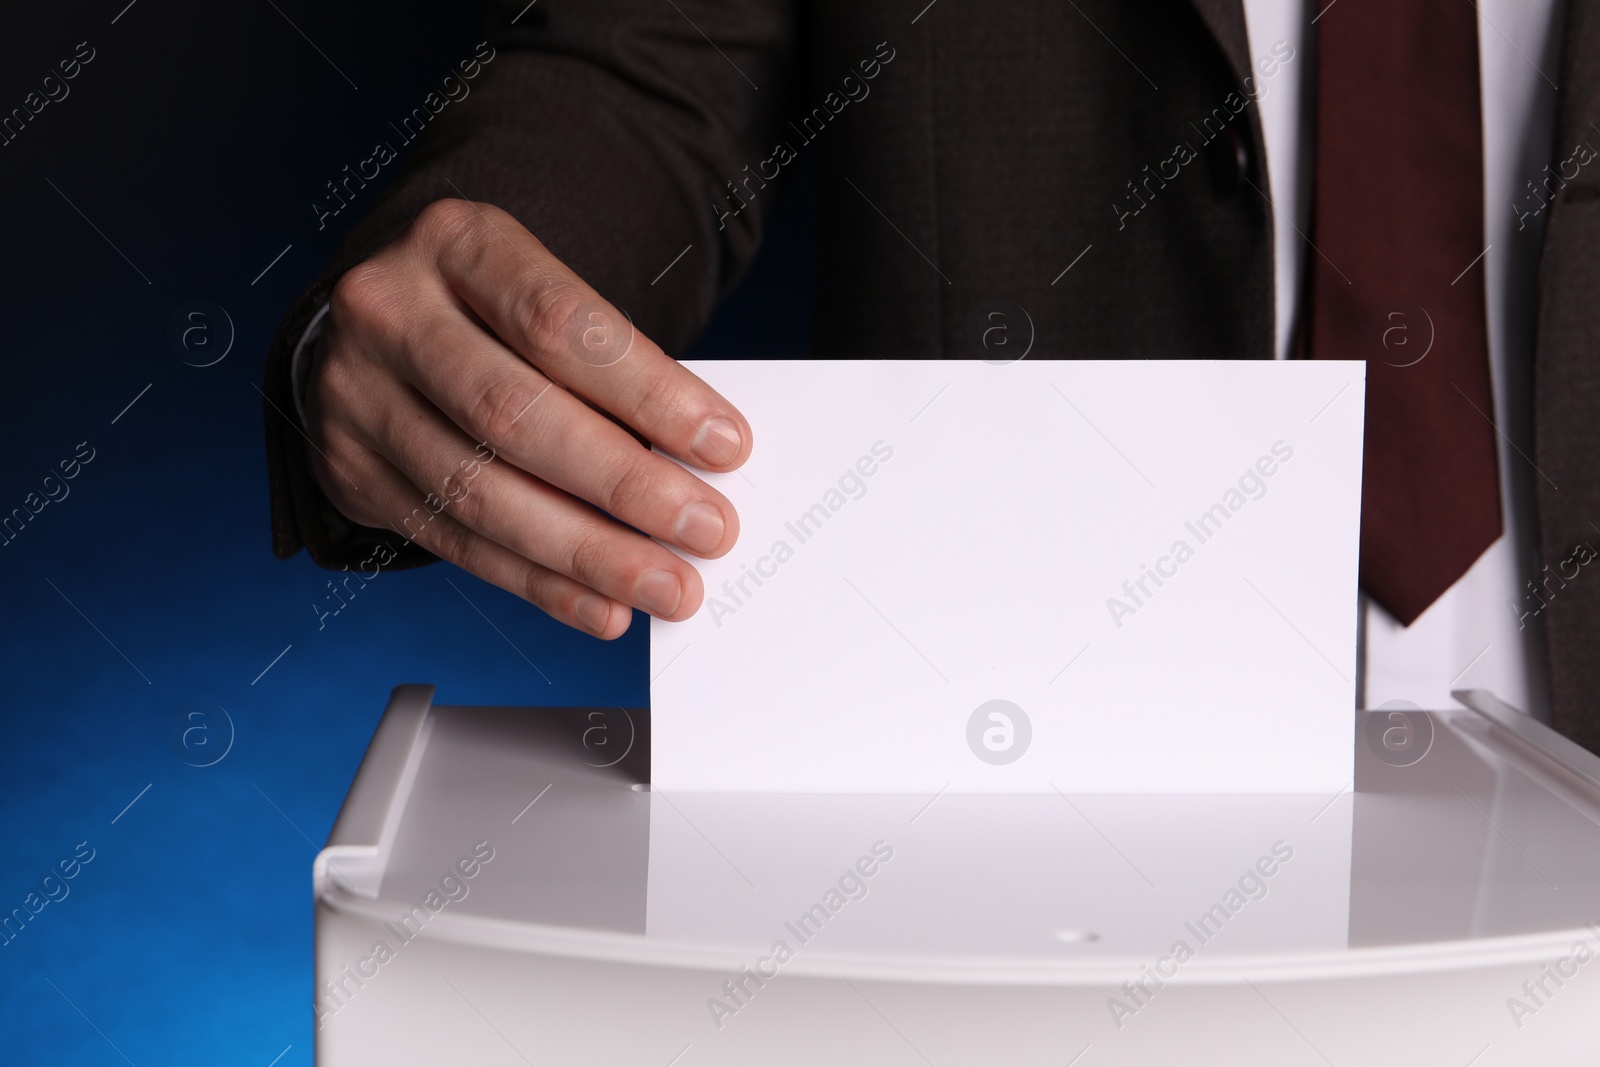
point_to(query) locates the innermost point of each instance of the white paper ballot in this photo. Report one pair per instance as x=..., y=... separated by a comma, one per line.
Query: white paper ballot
x=1092, y=577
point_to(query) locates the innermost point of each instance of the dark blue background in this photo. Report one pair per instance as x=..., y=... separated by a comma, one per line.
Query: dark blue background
x=194, y=142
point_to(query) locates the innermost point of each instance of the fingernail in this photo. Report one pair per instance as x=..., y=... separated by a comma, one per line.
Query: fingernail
x=700, y=528
x=659, y=593
x=594, y=612
x=717, y=444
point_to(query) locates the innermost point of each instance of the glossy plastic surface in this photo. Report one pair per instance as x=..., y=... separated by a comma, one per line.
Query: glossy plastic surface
x=1464, y=861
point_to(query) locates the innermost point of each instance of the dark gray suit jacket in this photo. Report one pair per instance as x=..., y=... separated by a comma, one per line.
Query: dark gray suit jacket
x=970, y=154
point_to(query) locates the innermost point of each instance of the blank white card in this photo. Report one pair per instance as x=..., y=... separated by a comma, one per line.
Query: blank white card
x=1098, y=576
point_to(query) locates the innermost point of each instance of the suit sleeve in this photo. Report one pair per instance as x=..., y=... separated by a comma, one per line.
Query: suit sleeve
x=611, y=129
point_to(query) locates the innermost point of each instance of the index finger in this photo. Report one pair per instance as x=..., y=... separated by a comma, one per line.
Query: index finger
x=554, y=320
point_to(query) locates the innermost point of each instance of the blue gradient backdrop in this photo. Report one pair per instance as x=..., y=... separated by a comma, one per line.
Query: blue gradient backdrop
x=146, y=602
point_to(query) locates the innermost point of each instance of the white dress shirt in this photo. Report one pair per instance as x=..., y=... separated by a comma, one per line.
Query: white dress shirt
x=1472, y=637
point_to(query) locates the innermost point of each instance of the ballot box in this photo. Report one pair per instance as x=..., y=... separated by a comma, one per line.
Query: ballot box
x=503, y=886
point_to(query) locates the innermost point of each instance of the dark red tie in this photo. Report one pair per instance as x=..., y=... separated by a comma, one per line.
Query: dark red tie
x=1397, y=279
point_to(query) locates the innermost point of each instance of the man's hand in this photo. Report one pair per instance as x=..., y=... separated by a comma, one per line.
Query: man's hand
x=466, y=336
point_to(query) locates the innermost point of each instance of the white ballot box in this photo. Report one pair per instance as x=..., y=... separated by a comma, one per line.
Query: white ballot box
x=503, y=886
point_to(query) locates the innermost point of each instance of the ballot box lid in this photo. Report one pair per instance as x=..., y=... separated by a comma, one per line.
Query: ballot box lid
x=1468, y=836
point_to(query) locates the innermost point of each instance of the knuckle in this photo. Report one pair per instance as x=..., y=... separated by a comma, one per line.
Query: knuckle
x=447, y=222
x=337, y=452
x=365, y=299
x=501, y=403
x=536, y=587
x=334, y=388
x=355, y=509
x=355, y=293
x=660, y=397
x=353, y=506
x=551, y=314
x=469, y=505
x=446, y=539
x=392, y=431
x=629, y=488
x=336, y=446
x=589, y=558
x=350, y=477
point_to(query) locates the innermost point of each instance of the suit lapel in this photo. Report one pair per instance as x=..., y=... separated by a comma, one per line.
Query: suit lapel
x=1225, y=20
